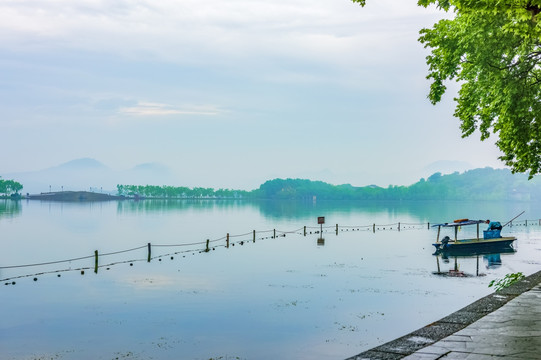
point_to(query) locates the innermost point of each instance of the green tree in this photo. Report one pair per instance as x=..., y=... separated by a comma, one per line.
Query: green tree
x=493, y=49
x=8, y=187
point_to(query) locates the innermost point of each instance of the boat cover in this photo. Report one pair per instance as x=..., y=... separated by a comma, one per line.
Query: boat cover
x=462, y=223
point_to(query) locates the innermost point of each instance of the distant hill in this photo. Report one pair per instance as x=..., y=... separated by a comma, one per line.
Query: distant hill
x=156, y=180
x=87, y=173
x=446, y=167
x=79, y=164
x=477, y=184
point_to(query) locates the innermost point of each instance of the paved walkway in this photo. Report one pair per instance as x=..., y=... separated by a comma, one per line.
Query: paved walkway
x=511, y=332
x=502, y=325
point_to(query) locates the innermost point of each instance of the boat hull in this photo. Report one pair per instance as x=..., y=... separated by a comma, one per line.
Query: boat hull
x=469, y=245
x=469, y=251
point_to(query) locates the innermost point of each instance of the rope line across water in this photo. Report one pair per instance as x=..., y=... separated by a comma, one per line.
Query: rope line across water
x=403, y=226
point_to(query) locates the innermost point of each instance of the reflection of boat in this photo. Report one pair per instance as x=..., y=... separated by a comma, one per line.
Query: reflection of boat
x=493, y=261
x=492, y=258
x=491, y=241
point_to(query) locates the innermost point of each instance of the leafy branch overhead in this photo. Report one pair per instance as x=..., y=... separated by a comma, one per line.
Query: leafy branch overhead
x=493, y=50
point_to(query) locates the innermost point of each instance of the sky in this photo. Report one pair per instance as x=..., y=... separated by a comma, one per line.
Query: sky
x=228, y=94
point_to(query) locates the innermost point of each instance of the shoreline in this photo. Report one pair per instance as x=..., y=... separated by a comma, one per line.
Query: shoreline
x=448, y=325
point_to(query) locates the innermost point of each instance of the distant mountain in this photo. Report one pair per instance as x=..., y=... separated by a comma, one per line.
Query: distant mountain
x=476, y=184
x=446, y=167
x=83, y=163
x=90, y=175
x=147, y=174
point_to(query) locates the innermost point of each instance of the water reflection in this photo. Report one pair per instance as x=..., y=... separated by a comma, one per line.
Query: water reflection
x=159, y=205
x=423, y=211
x=454, y=262
x=494, y=261
x=283, y=298
x=9, y=208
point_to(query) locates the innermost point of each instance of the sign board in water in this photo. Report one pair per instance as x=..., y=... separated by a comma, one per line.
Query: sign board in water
x=321, y=221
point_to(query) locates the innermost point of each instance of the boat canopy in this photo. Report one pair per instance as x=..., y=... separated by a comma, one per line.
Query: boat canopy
x=461, y=223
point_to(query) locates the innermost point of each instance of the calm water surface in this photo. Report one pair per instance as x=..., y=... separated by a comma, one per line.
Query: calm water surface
x=290, y=297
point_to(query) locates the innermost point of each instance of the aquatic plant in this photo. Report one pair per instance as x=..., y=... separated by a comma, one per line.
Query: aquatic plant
x=507, y=281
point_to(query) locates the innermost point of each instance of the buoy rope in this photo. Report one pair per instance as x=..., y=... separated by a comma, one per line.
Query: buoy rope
x=378, y=226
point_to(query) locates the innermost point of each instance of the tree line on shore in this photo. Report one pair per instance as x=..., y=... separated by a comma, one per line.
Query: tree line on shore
x=478, y=184
x=10, y=187
x=166, y=191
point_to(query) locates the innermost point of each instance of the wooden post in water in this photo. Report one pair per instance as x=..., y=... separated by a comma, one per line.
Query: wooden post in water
x=274, y=236
x=428, y=227
x=398, y=226
x=374, y=229
x=305, y=228
x=207, y=249
x=149, y=252
x=254, y=235
x=336, y=229
x=227, y=241
x=96, y=261
x=526, y=222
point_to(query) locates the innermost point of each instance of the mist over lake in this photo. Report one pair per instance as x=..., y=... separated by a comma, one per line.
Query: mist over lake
x=289, y=297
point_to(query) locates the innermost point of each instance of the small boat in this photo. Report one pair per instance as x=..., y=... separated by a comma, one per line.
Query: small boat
x=491, y=239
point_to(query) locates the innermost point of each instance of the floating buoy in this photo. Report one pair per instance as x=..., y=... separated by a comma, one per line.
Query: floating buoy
x=82, y=272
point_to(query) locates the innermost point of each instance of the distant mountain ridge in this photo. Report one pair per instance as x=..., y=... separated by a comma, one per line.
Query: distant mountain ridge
x=90, y=174
x=477, y=184
x=87, y=174
x=83, y=163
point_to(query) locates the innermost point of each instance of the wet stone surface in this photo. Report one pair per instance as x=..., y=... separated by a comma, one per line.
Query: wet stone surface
x=504, y=324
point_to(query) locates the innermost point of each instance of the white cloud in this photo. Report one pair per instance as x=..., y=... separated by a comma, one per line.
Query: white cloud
x=209, y=31
x=158, y=109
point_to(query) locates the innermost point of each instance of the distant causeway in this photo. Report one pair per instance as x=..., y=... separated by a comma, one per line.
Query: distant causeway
x=73, y=196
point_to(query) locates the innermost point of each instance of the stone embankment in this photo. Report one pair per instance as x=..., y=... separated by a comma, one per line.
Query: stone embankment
x=505, y=324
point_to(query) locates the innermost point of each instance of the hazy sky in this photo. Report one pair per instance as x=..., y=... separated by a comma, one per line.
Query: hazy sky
x=226, y=93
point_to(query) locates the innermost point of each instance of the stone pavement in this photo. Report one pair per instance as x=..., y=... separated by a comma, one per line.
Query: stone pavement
x=505, y=325
x=511, y=332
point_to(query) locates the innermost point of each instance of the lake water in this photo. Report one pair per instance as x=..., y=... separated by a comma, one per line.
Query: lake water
x=289, y=297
